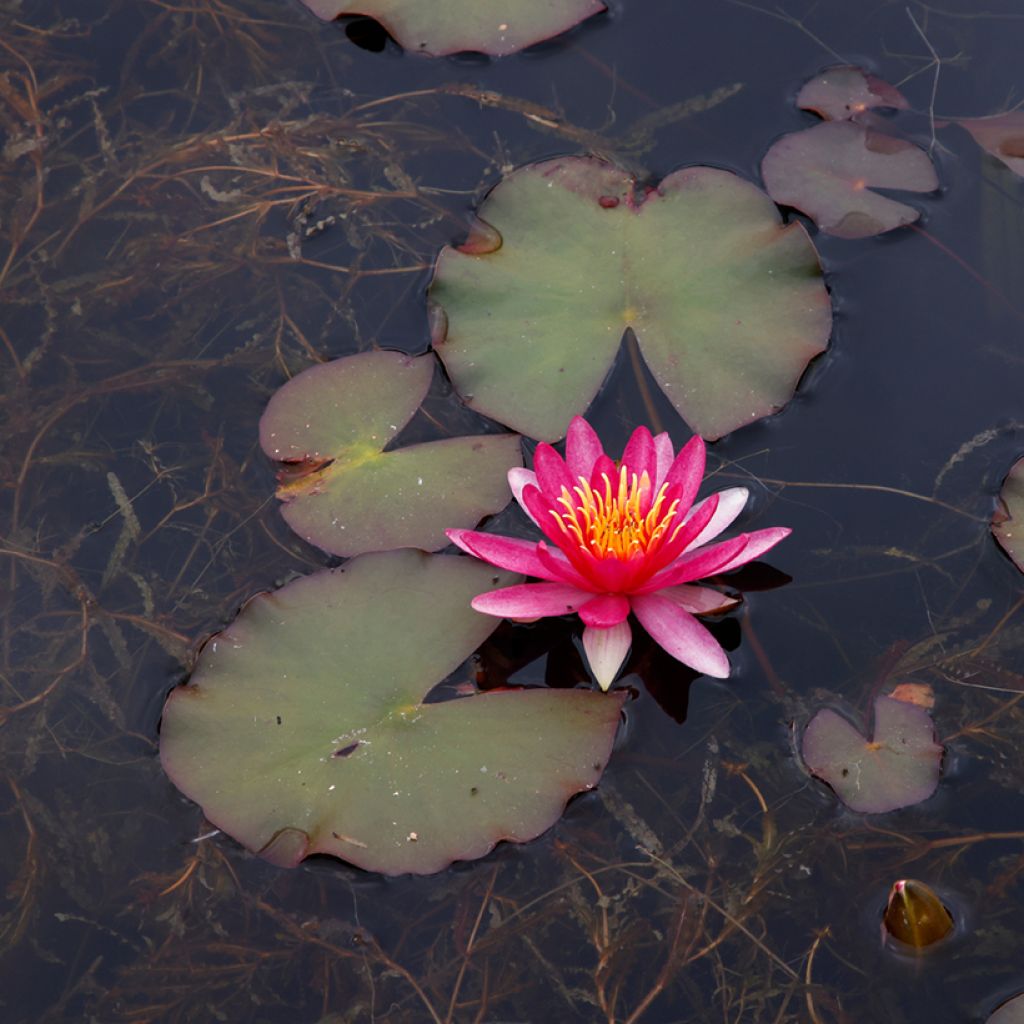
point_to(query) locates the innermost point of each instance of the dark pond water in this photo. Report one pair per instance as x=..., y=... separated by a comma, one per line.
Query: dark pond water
x=153, y=295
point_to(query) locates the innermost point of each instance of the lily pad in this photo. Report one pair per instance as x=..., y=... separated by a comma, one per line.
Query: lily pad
x=1010, y=1012
x=343, y=492
x=1001, y=136
x=898, y=767
x=304, y=729
x=843, y=93
x=1008, y=521
x=727, y=304
x=828, y=172
x=497, y=27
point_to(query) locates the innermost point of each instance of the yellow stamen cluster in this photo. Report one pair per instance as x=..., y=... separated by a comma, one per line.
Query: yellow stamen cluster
x=609, y=523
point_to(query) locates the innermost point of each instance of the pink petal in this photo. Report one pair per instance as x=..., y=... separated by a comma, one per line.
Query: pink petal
x=530, y=601
x=540, y=509
x=605, y=611
x=681, y=635
x=559, y=568
x=604, y=466
x=731, y=503
x=640, y=456
x=582, y=448
x=681, y=542
x=695, y=565
x=552, y=473
x=687, y=471
x=699, y=600
x=606, y=651
x=518, y=478
x=758, y=542
x=504, y=552
x=665, y=455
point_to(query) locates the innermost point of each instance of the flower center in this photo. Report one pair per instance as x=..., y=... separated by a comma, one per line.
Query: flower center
x=616, y=523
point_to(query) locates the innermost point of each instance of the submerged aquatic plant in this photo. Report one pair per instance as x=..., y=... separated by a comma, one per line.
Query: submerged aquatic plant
x=628, y=537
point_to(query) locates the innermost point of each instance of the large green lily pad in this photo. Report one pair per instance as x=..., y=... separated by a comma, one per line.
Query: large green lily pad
x=828, y=172
x=1008, y=521
x=303, y=728
x=727, y=304
x=329, y=426
x=897, y=767
x=438, y=27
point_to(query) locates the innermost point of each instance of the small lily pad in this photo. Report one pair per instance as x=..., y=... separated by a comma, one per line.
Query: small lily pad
x=828, y=172
x=439, y=27
x=329, y=426
x=304, y=729
x=1010, y=1012
x=727, y=304
x=1008, y=521
x=898, y=767
x=843, y=93
x=1001, y=136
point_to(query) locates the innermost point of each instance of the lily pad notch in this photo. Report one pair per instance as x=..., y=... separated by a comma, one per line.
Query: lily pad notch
x=328, y=429
x=727, y=303
x=304, y=728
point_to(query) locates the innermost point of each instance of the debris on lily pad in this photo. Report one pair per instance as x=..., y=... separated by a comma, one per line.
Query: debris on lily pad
x=1010, y=1012
x=843, y=93
x=828, y=172
x=439, y=27
x=1001, y=136
x=727, y=303
x=304, y=728
x=899, y=766
x=328, y=429
x=914, y=916
x=1008, y=520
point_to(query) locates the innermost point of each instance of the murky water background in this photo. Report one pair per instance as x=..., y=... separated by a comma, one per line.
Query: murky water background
x=198, y=198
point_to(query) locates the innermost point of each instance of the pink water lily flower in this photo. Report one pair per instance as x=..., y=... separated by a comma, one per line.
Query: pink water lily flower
x=624, y=538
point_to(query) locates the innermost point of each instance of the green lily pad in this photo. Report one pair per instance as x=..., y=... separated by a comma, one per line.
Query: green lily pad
x=304, y=729
x=828, y=172
x=1001, y=136
x=497, y=27
x=329, y=426
x=727, y=304
x=844, y=93
x=898, y=767
x=1008, y=521
x=1010, y=1012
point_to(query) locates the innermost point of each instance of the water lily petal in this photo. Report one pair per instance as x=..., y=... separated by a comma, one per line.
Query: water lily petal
x=552, y=473
x=699, y=600
x=695, y=565
x=681, y=635
x=683, y=539
x=731, y=503
x=531, y=601
x=559, y=568
x=546, y=515
x=606, y=651
x=688, y=470
x=518, y=478
x=758, y=542
x=605, y=611
x=640, y=455
x=665, y=455
x=504, y=552
x=582, y=448
x=604, y=467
